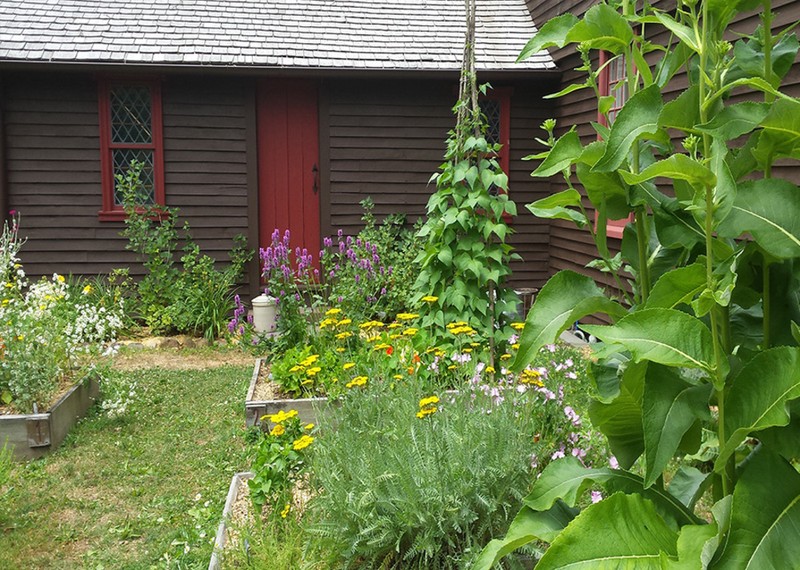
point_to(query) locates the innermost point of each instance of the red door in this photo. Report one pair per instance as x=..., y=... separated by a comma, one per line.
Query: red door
x=288, y=162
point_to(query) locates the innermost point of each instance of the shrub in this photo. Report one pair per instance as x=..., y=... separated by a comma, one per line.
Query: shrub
x=194, y=298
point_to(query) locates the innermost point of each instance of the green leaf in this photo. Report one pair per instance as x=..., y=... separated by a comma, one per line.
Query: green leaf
x=552, y=33
x=568, y=479
x=665, y=336
x=795, y=332
x=677, y=287
x=769, y=209
x=620, y=419
x=567, y=90
x=445, y=256
x=602, y=27
x=623, y=531
x=602, y=187
x=765, y=516
x=683, y=112
x=683, y=32
x=736, y=120
x=637, y=118
x=564, y=299
x=527, y=526
x=759, y=396
x=558, y=206
x=677, y=166
x=6, y=397
x=669, y=409
x=564, y=153
x=691, y=542
x=688, y=484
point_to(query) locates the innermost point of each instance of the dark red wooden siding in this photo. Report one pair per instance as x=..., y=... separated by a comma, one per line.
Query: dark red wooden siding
x=54, y=168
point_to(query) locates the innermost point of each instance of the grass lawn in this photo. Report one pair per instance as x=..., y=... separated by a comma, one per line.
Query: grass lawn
x=144, y=489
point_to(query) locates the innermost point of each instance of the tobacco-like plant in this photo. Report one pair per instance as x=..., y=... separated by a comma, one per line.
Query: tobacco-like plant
x=706, y=347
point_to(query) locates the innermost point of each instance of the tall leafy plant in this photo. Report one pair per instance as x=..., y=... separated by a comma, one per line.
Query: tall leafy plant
x=466, y=257
x=709, y=342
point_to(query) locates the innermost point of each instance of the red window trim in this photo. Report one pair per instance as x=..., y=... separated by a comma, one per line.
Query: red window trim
x=111, y=211
x=503, y=95
x=614, y=228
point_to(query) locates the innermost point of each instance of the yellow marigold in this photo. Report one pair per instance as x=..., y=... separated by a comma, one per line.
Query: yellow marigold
x=429, y=299
x=313, y=371
x=505, y=356
x=515, y=346
x=451, y=367
x=325, y=323
x=466, y=350
x=302, y=442
x=331, y=312
x=344, y=335
x=464, y=329
x=394, y=336
x=518, y=326
x=87, y=290
x=357, y=381
x=309, y=360
x=398, y=376
x=60, y=278
x=426, y=412
x=340, y=349
x=428, y=401
x=309, y=427
x=382, y=346
x=410, y=331
x=490, y=370
x=281, y=416
x=457, y=324
x=474, y=344
x=531, y=377
x=344, y=322
x=285, y=511
x=295, y=368
x=373, y=338
x=370, y=325
x=395, y=325
x=406, y=316
x=277, y=430
x=348, y=365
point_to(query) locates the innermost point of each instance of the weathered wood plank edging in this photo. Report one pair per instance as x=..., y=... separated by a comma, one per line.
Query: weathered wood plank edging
x=34, y=435
x=222, y=530
x=256, y=409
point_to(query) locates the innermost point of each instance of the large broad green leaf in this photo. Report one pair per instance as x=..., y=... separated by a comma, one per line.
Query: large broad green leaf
x=769, y=209
x=637, y=118
x=527, y=526
x=564, y=153
x=564, y=299
x=567, y=480
x=620, y=419
x=683, y=112
x=682, y=31
x=765, y=517
x=559, y=206
x=759, y=397
x=669, y=408
x=602, y=187
x=688, y=484
x=665, y=336
x=623, y=531
x=602, y=27
x=553, y=33
x=785, y=440
x=677, y=287
x=691, y=542
x=736, y=120
x=678, y=167
x=749, y=57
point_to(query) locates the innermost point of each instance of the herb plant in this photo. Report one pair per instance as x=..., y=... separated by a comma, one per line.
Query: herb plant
x=710, y=341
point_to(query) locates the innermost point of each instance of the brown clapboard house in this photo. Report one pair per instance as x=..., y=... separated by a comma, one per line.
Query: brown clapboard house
x=251, y=115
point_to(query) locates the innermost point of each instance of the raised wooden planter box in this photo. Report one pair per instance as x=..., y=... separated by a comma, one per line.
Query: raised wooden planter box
x=255, y=409
x=35, y=435
x=222, y=531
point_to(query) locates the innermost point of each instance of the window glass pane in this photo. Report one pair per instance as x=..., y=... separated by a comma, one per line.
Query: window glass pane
x=491, y=110
x=131, y=115
x=122, y=161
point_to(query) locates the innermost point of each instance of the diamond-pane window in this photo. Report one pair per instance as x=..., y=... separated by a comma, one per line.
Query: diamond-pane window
x=130, y=130
x=491, y=110
x=131, y=115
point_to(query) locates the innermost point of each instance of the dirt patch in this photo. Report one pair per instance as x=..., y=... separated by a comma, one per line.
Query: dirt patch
x=177, y=359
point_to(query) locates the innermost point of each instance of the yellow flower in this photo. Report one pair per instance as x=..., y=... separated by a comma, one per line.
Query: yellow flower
x=426, y=412
x=281, y=416
x=357, y=381
x=331, y=312
x=406, y=316
x=463, y=329
x=370, y=325
x=490, y=370
x=518, y=326
x=505, y=356
x=307, y=381
x=430, y=299
x=60, y=278
x=531, y=377
x=474, y=344
x=6, y=302
x=344, y=322
x=373, y=338
x=310, y=360
x=309, y=427
x=285, y=511
x=313, y=371
x=428, y=401
x=295, y=368
x=398, y=376
x=340, y=349
x=21, y=337
x=302, y=442
x=467, y=350
x=410, y=331
x=395, y=325
x=515, y=346
x=87, y=290
x=277, y=430
x=382, y=346
x=451, y=367
x=344, y=335
x=394, y=336
x=348, y=365
x=458, y=324
x=325, y=323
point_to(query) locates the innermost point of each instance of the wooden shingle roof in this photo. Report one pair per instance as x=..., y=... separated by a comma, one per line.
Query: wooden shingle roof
x=311, y=34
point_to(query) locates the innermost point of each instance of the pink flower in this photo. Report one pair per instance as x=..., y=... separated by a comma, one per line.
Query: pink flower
x=597, y=496
x=613, y=463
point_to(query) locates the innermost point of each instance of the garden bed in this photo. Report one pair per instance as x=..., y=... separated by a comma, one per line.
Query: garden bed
x=237, y=504
x=35, y=435
x=263, y=398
